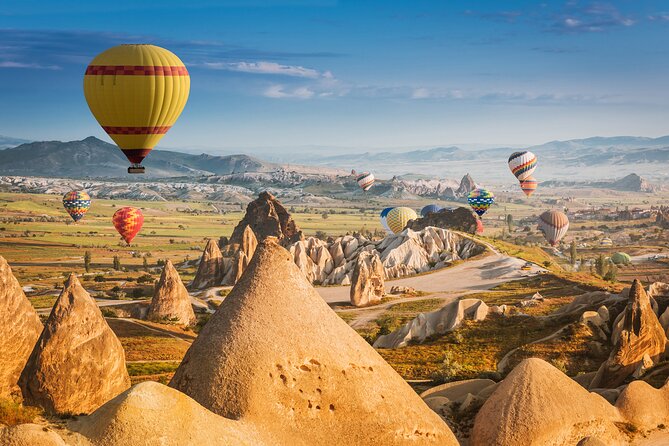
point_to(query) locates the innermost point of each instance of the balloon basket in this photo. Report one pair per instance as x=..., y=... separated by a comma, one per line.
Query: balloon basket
x=136, y=169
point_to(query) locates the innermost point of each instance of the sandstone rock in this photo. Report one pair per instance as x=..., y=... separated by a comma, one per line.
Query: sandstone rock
x=171, y=301
x=20, y=328
x=454, y=391
x=458, y=219
x=151, y=414
x=591, y=441
x=325, y=386
x=436, y=322
x=267, y=217
x=210, y=271
x=367, y=281
x=641, y=336
x=78, y=363
x=467, y=185
x=29, y=435
x=538, y=405
x=643, y=405
x=592, y=299
x=397, y=289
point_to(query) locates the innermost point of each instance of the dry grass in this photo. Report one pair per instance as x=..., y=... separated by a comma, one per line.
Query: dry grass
x=13, y=413
x=142, y=343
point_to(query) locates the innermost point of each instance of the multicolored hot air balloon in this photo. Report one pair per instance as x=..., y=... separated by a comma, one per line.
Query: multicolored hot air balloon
x=365, y=180
x=76, y=203
x=554, y=225
x=522, y=164
x=528, y=185
x=383, y=217
x=398, y=218
x=480, y=200
x=430, y=208
x=136, y=92
x=128, y=221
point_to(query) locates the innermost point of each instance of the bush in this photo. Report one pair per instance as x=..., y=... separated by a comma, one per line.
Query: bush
x=13, y=413
x=108, y=312
x=145, y=278
x=99, y=278
x=449, y=370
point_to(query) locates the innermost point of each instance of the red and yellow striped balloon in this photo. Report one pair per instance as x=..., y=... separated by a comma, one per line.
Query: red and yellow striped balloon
x=128, y=221
x=136, y=92
x=529, y=185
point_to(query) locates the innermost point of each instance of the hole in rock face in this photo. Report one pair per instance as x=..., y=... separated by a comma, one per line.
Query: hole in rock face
x=319, y=391
x=314, y=362
x=318, y=407
x=270, y=375
x=305, y=368
x=310, y=405
x=331, y=407
x=283, y=378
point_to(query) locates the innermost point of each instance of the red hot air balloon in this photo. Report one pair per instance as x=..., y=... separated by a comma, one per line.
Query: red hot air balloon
x=128, y=221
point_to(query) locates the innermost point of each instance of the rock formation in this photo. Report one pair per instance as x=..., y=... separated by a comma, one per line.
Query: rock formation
x=644, y=406
x=268, y=218
x=210, y=271
x=458, y=219
x=29, y=435
x=171, y=301
x=436, y=322
x=639, y=345
x=241, y=254
x=536, y=404
x=467, y=185
x=367, y=282
x=20, y=328
x=151, y=414
x=78, y=363
x=323, y=386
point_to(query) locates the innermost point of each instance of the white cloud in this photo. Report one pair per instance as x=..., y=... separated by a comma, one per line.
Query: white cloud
x=271, y=68
x=34, y=66
x=280, y=92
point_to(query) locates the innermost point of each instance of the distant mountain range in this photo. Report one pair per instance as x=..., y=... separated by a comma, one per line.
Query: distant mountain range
x=590, y=159
x=629, y=183
x=94, y=158
x=6, y=142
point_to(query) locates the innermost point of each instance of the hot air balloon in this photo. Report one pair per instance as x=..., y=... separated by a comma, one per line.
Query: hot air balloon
x=128, y=221
x=136, y=92
x=528, y=185
x=383, y=217
x=480, y=200
x=365, y=180
x=554, y=225
x=76, y=203
x=398, y=218
x=621, y=258
x=522, y=164
x=430, y=208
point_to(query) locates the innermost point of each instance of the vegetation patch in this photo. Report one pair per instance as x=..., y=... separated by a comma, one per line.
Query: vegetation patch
x=13, y=413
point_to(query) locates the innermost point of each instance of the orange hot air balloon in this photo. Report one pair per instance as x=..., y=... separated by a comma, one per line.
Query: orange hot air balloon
x=128, y=221
x=529, y=185
x=136, y=92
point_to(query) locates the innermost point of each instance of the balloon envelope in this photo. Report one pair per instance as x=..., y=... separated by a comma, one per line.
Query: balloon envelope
x=383, y=218
x=554, y=225
x=621, y=258
x=480, y=200
x=76, y=203
x=430, y=208
x=398, y=218
x=522, y=164
x=136, y=92
x=529, y=185
x=365, y=180
x=128, y=221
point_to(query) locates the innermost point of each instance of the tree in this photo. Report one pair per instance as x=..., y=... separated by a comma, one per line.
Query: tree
x=573, y=252
x=325, y=215
x=601, y=265
x=117, y=263
x=145, y=264
x=509, y=222
x=611, y=274
x=87, y=261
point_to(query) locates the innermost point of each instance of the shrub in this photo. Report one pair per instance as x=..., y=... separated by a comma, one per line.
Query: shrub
x=99, y=278
x=449, y=370
x=13, y=413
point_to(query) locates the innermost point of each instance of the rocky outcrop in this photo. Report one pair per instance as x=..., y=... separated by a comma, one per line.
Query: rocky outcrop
x=267, y=217
x=171, y=301
x=241, y=254
x=367, y=281
x=210, y=270
x=536, y=404
x=644, y=406
x=638, y=346
x=458, y=219
x=325, y=386
x=434, y=323
x=467, y=185
x=29, y=435
x=78, y=363
x=151, y=414
x=20, y=328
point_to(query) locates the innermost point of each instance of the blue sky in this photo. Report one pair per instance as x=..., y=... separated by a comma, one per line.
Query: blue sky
x=354, y=74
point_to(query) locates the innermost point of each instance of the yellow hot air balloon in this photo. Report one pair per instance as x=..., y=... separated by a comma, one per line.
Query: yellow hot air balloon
x=398, y=218
x=136, y=92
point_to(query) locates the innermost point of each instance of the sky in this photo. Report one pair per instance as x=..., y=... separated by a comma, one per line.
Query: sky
x=327, y=75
